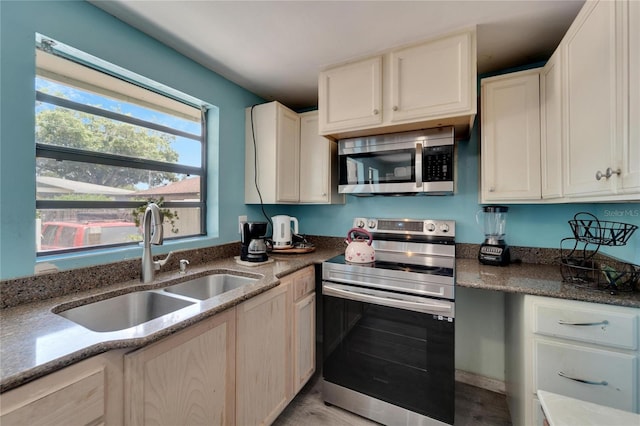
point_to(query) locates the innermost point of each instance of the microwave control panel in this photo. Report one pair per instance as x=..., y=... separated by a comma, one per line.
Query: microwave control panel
x=438, y=163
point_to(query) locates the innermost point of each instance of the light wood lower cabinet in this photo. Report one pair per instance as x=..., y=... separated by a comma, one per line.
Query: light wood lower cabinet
x=86, y=393
x=185, y=379
x=304, y=328
x=263, y=375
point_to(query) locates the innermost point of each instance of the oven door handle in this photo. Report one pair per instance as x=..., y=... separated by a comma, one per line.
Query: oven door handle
x=393, y=301
x=418, y=169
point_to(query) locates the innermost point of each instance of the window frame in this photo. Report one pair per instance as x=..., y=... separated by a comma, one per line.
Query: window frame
x=61, y=153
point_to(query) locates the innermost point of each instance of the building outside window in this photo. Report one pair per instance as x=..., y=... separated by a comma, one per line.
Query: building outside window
x=109, y=141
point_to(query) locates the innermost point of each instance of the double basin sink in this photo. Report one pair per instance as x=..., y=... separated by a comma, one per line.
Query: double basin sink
x=132, y=309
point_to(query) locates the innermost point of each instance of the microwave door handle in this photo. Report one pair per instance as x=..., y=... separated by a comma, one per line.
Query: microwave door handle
x=418, y=165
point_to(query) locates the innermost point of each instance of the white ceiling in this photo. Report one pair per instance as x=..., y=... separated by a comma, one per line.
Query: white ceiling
x=276, y=48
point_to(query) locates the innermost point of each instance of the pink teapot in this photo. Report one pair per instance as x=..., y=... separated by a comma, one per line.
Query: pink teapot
x=358, y=249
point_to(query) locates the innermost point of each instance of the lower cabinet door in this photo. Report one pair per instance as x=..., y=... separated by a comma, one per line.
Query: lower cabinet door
x=602, y=377
x=184, y=379
x=263, y=369
x=304, y=340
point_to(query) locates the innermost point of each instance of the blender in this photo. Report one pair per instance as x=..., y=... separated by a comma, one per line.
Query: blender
x=494, y=250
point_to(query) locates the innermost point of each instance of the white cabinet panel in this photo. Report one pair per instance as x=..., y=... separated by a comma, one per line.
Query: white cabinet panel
x=431, y=79
x=511, y=137
x=591, y=105
x=350, y=96
x=603, y=377
x=551, y=127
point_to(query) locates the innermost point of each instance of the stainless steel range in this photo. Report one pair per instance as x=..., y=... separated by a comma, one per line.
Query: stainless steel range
x=388, y=326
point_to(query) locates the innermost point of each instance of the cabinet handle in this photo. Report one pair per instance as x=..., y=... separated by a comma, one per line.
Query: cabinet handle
x=607, y=173
x=376, y=112
x=395, y=108
x=586, y=382
x=581, y=324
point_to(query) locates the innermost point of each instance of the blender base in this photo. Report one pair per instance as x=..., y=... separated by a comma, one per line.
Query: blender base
x=494, y=254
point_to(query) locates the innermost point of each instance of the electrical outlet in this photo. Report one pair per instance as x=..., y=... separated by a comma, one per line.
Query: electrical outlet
x=241, y=219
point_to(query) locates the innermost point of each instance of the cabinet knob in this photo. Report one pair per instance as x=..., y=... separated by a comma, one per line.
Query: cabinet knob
x=395, y=108
x=376, y=112
x=492, y=189
x=607, y=173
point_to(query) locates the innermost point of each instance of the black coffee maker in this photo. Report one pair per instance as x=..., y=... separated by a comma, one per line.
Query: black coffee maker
x=253, y=247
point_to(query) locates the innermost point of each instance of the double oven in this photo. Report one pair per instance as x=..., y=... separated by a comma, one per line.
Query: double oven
x=388, y=326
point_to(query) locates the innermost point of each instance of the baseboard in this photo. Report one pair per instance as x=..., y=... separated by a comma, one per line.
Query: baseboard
x=493, y=385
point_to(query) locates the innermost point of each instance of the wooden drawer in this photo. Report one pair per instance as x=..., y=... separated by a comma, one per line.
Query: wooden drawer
x=611, y=376
x=304, y=283
x=585, y=322
x=57, y=400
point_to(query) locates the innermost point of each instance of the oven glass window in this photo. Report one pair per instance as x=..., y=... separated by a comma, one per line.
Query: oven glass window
x=402, y=357
x=378, y=167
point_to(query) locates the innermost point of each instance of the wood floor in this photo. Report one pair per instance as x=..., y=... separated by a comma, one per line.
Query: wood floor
x=474, y=407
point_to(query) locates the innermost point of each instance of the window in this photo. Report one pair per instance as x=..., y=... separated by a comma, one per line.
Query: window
x=108, y=141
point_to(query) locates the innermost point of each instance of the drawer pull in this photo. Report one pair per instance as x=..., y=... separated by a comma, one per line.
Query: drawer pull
x=588, y=382
x=581, y=324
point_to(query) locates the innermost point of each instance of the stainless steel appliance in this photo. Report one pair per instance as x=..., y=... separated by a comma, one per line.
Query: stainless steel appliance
x=253, y=247
x=388, y=327
x=417, y=162
x=494, y=250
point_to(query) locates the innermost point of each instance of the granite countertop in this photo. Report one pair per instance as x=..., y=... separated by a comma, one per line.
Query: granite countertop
x=35, y=341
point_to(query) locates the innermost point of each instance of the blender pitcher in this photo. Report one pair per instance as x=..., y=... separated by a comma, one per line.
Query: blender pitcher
x=494, y=250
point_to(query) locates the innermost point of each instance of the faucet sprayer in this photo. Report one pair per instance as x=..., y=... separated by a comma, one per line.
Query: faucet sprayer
x=153, y=234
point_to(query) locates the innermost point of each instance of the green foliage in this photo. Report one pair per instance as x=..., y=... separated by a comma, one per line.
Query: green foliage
x=82, y=197
x=171, y=216
x=74, y=129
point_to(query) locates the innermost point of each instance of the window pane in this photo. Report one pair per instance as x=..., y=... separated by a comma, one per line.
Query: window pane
x=72, y=180
x=64, y=229
x=61, y=126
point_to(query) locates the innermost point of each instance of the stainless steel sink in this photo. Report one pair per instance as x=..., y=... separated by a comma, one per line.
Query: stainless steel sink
x=124, y=311
x=210, y=285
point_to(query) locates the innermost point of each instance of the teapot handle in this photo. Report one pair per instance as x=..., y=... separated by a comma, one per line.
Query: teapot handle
x=362, y=231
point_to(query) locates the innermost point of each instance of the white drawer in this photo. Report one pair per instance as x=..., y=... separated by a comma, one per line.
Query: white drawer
x=611, y=376
x=587, y=322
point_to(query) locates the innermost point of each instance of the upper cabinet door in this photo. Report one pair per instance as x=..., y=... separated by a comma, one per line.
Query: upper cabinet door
x=511, y=137
x=591, y=104
x=288, y=156
x=350, y=96
x=433, y=79
x=631, y=147
x=551, y=127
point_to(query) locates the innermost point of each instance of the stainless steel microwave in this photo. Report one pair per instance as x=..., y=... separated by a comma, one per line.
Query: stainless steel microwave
x=407, y=163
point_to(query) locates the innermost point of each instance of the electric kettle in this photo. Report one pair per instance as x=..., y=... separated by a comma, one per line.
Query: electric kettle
x=359, y=250
x=282, y=231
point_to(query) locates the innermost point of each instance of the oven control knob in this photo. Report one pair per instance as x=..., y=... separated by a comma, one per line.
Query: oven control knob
x=371, y=224
x=444, y=227
x=431, y=227
x=360, y=224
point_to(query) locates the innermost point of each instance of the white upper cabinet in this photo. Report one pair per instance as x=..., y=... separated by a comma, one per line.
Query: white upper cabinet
x=631, y=147
x=551, y=127
x=429, y=84
x=350, y=96
x=287, y=159
x=591, y=106
x=432, y=79
x=511, y=137
x=273, y=139
x=318, y=164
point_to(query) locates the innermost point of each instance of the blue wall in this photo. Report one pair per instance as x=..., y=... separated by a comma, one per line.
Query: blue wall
x=81, y=25
x=86, y=27
x=527, y=224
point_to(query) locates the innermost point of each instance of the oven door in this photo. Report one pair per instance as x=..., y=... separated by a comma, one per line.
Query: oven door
x=390, y=347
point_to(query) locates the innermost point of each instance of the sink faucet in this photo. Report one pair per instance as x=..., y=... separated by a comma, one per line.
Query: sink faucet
x=153, y=234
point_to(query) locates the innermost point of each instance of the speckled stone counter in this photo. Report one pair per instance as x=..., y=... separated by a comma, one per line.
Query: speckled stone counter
x=35, y=341
x=536, y=279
